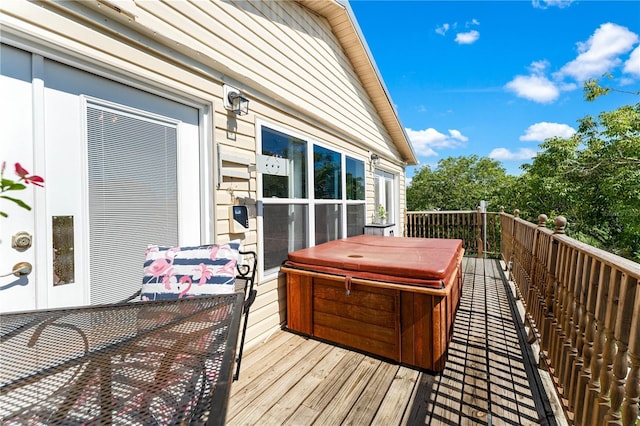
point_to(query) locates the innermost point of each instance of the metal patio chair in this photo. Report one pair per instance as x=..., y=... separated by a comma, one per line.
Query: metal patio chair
x=162, y=269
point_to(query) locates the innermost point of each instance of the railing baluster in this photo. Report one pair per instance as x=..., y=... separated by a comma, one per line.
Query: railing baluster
x=550, y=292
x=632, y=389
x=588, y=328
x=582, y=283
x=568, y=319
x=622, y=332
x=575, y=278
x=606, y=373
x=563, y=320
x=590, y=408
x=558, y=316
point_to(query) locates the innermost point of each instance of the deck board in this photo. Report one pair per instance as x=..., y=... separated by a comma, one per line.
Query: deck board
x=291, y=379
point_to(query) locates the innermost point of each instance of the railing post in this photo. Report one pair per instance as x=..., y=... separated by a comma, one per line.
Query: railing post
x=479, y=231
x=536, y=275
x=516, y=214
x=537, y=296
x=568, y=348
x=560, y=304
x=560, y=224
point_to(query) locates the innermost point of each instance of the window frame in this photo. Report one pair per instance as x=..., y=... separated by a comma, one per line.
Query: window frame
x=310, y=201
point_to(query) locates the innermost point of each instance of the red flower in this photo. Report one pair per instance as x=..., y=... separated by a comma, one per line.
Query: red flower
x=24, y=175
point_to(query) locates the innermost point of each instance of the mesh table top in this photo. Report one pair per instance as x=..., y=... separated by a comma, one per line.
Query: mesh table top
x=167, y=362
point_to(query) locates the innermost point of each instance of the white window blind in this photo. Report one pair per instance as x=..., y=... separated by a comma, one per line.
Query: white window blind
x=133, y=197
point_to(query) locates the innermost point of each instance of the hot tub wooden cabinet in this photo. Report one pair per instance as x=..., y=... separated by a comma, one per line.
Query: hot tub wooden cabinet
x=392, y=297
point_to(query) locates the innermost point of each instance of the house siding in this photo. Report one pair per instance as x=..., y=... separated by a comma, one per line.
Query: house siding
x=284, y=57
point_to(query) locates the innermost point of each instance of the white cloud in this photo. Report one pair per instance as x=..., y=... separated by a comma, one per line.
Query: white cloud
x=544, y=4
x=455, y=134
x=539, y=67
x=442, y=30
x=426, y=141
x=632, y=66
x=536, y=88
x=504, y=154
x=600, y=53
x=626, y=81
x=567, y=87
x=468, y=37
x=539, y=132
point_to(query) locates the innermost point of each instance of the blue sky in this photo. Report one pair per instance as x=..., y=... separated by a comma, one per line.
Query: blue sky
x=496, y=78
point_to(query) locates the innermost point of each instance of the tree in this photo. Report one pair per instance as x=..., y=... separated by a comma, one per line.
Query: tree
x=593, y=89
x=593, y=179
x=459, y=183
x=545, y=184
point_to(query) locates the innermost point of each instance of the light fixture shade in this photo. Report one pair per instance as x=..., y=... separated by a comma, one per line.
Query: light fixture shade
x=239, y=104
x=375, y=159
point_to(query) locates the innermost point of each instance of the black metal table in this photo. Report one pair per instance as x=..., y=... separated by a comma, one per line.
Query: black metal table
x=161, y=362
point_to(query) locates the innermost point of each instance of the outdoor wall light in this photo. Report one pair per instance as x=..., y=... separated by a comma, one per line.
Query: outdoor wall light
x=234, y=101
x=375, y=159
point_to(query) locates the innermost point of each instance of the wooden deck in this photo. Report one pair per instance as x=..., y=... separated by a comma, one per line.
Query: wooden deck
x=489, y=378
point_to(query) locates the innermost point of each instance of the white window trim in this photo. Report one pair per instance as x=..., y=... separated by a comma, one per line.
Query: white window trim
x=310, y=201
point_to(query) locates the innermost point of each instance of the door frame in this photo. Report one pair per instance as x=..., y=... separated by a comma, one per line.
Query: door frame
x=41, y=50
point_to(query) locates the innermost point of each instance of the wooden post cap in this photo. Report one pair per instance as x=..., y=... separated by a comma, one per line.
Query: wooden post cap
x=560, y=223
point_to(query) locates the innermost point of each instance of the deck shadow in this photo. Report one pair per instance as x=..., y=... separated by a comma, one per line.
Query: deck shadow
x=492, y=378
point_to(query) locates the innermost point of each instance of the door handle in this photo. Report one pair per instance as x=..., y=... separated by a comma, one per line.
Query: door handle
x=20, y=269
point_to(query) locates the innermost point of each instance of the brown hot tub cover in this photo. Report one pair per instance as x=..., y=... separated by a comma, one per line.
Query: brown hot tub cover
x=414, y=261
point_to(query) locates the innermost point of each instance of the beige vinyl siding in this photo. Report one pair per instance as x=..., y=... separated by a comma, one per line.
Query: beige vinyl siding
x=280, y=49
x=76, y=42
x=284, y=57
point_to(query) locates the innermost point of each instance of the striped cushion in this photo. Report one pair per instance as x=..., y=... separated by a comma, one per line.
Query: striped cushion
x=176, y=272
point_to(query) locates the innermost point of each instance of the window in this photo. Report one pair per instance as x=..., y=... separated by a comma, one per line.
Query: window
x=285, y=225
x=355, y=195
x=355, y=179
x=295, y=150
x=322, y=199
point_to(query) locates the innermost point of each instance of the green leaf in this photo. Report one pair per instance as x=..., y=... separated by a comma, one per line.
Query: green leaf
x=9, y=185
x=17, y=201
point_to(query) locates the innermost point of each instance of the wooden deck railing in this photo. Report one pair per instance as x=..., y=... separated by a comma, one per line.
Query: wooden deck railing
x=480, y=231
x=584, y=304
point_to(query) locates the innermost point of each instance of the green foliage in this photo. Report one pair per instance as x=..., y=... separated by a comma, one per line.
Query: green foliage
x=460, y=183
x=591, y=178
x=592, y=89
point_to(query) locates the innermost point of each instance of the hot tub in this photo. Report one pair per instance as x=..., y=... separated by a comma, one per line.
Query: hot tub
x=393, y=297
